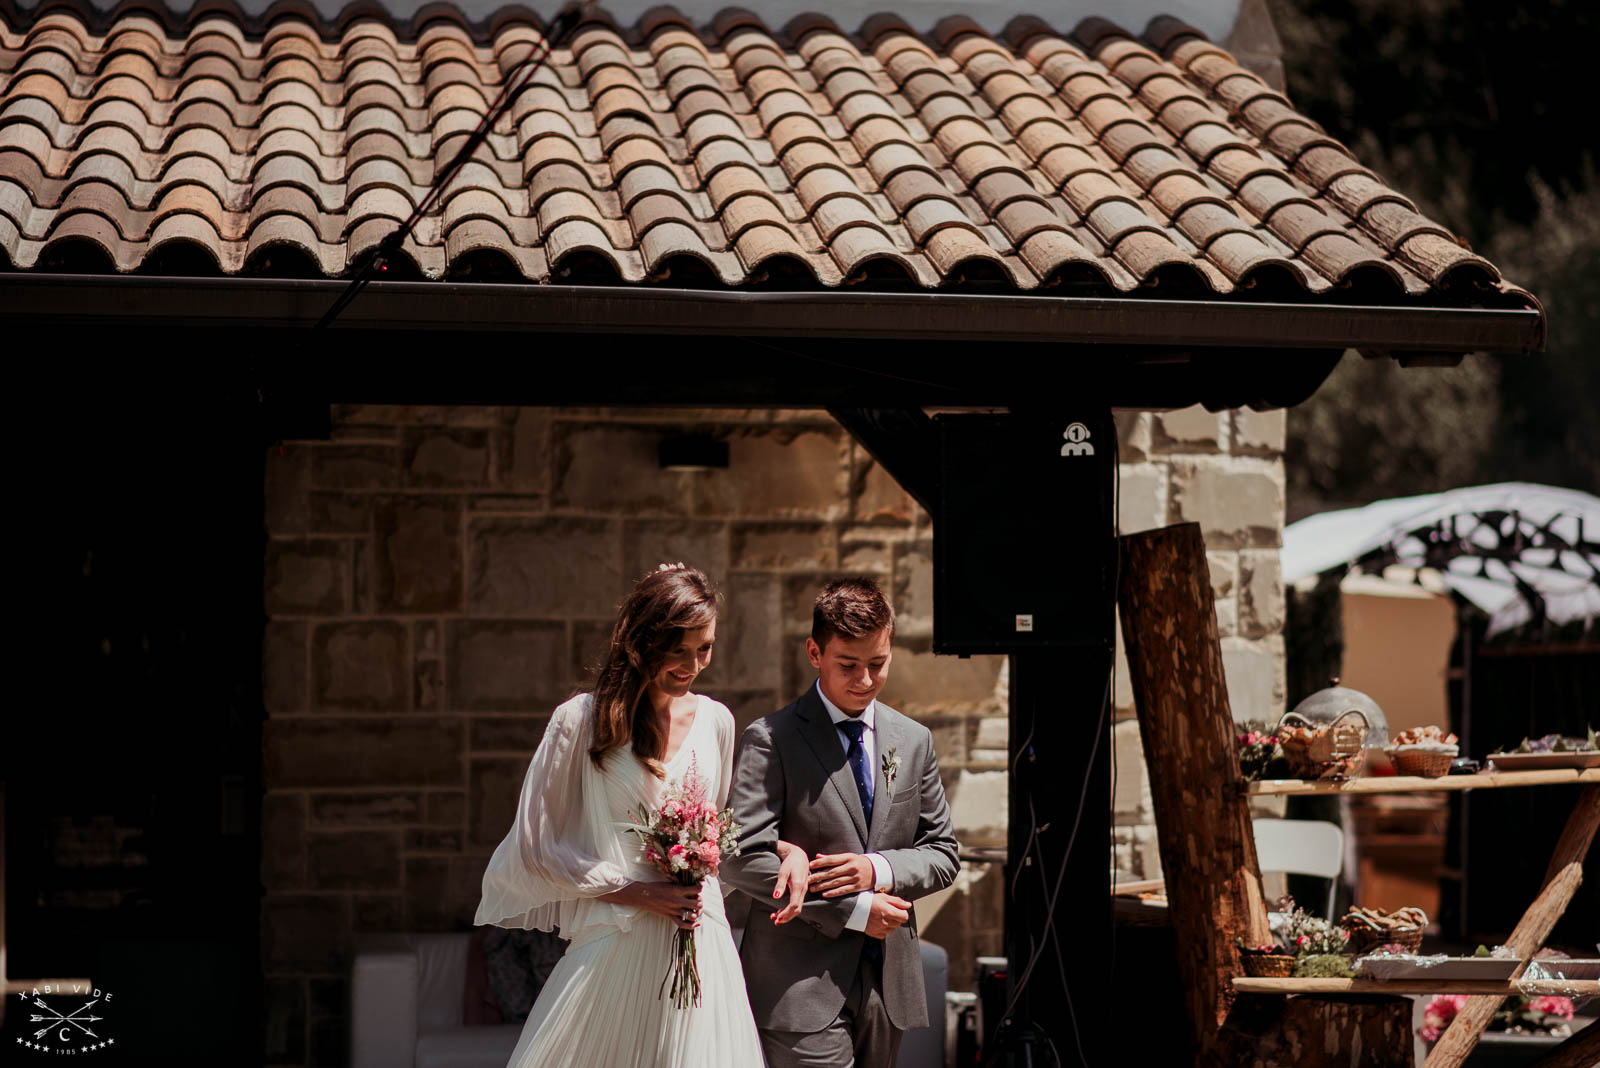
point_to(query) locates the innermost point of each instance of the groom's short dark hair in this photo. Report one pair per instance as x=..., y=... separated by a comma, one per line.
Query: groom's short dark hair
x=850, y=608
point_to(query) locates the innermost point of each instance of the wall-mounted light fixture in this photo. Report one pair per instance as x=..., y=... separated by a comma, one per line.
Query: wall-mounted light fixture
x=692, y=452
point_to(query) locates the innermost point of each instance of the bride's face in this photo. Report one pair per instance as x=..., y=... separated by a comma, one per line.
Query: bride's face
x=686, y=660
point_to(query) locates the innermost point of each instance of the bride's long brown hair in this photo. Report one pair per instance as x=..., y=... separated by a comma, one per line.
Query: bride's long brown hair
x=652, y=619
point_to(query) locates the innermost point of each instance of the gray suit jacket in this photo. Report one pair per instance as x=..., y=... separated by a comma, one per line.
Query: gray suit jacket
x=791, y=781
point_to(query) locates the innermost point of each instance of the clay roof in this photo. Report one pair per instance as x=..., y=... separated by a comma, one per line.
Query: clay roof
x=732, y=153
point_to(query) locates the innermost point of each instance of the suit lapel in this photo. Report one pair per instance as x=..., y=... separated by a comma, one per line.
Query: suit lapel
x=828, y=747
x=886, y=731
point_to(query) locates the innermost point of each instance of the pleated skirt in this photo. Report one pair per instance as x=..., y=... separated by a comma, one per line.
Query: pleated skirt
x=603, y=1006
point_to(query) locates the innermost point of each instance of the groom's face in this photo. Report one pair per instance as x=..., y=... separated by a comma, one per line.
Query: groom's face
x=852, y=670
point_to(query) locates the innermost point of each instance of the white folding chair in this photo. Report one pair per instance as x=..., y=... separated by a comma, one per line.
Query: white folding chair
x=1302, y=847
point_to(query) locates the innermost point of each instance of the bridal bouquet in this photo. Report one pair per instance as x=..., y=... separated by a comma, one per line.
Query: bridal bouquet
x=685, y=839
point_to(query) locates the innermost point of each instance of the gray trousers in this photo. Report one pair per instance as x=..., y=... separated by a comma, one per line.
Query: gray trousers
x=861, y=1036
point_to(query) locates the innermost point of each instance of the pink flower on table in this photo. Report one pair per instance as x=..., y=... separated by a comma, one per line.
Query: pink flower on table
x=1302, y=940
x=1437, y=1016
x=1552, y=1006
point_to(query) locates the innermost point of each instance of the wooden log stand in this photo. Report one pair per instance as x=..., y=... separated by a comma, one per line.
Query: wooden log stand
x=1209, y=861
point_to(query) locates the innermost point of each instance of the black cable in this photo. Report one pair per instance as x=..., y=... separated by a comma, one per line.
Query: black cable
x=516, y=81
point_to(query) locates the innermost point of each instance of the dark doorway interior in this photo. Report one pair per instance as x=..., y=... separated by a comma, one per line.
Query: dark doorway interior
x=131, y=766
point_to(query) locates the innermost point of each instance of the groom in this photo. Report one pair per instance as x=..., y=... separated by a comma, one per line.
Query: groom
x=856, y=785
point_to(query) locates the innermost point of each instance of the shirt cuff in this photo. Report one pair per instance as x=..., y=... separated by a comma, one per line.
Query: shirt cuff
x=882, y=875
x=861, y=912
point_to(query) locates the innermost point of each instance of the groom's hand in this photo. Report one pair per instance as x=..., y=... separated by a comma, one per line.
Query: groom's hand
x=888, y=912
x=838, y=874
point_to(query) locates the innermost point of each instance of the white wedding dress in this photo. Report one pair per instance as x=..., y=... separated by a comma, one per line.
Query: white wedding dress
x=602, y=1006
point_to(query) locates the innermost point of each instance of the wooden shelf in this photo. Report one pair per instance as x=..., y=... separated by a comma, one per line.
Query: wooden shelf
x=1405, y=784
x=1563, y=987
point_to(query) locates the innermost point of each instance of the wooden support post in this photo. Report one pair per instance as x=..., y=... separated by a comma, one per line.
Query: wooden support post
x=1582, y=1050
x=1208, y=852
x=1561, y=881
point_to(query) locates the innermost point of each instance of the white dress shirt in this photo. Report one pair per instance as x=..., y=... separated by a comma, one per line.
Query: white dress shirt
x=882, y=876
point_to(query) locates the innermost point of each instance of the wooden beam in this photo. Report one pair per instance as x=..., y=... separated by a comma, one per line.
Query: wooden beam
x=1406, y=784
x=1208, y=852
x=1561, y=881
x=905, y=444
x=1500, y=987
x=1582, y=1050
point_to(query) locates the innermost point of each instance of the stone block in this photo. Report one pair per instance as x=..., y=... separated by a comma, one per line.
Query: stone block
x=1135, y=851
x=545, y=567
x=304, y=933
x=427, y=691
x=345, y=467
x=286, y=490
x=505, y=666
x=780, y=473
x=978, y=806
x=1261, y=599
x=993, y=732
x=428, y=905
x=1141, y=497
x=418, y=414
x=494, y=783
x=1122, y=689
x=283, y=841
x=949, y=741
x=360, y=667
x=1227, y=612
x=378, y=808
x=1224, y=570
x=749, y=652
x=445, y=458
x=524, y=452
x=1251, y=673
x=878, y=498
x=1237, y=502
x=433, y=840
x=747, y=707
x=799, y=597
x=283, y=667
x=783, y=545
x=306, y=578
x=425, y=641
x=1259, y=433
x=1133, y=434
x=377, y=913
x=647, y=544
x=416, y=565
x=466, y=877
x=912, y=590
x=447, y=808
x=1131, y=799
x=510, y=734
x=353, y=860
x=1191, y=429
x=923, y=684
x=858, y=557
x=284, y=1021
x=340, y=513
x=591, y=641
x=365, y=751
x=520, y=503
x=616, y=468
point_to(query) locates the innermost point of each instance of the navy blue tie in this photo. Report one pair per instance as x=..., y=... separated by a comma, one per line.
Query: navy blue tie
x=857, y=755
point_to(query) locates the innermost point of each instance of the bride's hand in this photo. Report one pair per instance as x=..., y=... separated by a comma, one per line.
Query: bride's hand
x=678, y=903
x=793, y=873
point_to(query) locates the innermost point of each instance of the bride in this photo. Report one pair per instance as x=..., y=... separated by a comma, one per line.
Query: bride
x=569, y=861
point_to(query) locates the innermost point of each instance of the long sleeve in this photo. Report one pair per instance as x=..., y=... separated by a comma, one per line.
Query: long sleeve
x=560, y=853
x=932, y=861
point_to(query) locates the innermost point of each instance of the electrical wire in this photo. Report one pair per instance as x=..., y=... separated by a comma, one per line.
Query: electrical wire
x=517, y=79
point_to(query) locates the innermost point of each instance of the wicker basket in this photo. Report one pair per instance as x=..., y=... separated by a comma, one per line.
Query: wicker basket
x=1364, y=939
x=1428, y=763
x=1268, y=965
x=1331, y=751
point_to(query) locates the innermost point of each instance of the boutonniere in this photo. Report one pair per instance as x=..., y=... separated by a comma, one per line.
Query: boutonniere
x=891, y=766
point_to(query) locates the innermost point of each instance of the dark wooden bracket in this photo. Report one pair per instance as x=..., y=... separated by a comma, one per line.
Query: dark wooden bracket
x=904, y=441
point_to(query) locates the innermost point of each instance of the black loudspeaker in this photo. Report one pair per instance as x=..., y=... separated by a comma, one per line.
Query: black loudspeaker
x=1023, y=544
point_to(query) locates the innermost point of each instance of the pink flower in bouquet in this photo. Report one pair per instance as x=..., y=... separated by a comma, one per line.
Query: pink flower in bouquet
x=1552, y=1006
x=1437, y=1016
x=677, y=858
x=710, y=854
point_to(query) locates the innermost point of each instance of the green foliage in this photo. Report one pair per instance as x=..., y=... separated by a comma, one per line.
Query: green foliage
x=1323, y=966
x=1477, y=112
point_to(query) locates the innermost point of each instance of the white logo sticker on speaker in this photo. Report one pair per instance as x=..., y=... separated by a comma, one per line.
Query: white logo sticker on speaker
x=1077, y=436
x=1025, y=623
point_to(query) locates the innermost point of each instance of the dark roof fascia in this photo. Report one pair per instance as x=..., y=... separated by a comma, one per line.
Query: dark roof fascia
x=41, y=300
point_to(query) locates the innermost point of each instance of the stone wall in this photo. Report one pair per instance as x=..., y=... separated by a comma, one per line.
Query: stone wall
x=437, y=579
x=1223, y=470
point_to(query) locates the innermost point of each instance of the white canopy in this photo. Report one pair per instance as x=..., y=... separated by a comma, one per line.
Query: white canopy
x=1564, y=579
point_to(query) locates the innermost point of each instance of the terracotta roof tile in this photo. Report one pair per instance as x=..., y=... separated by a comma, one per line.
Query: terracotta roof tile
x=1028, y=160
